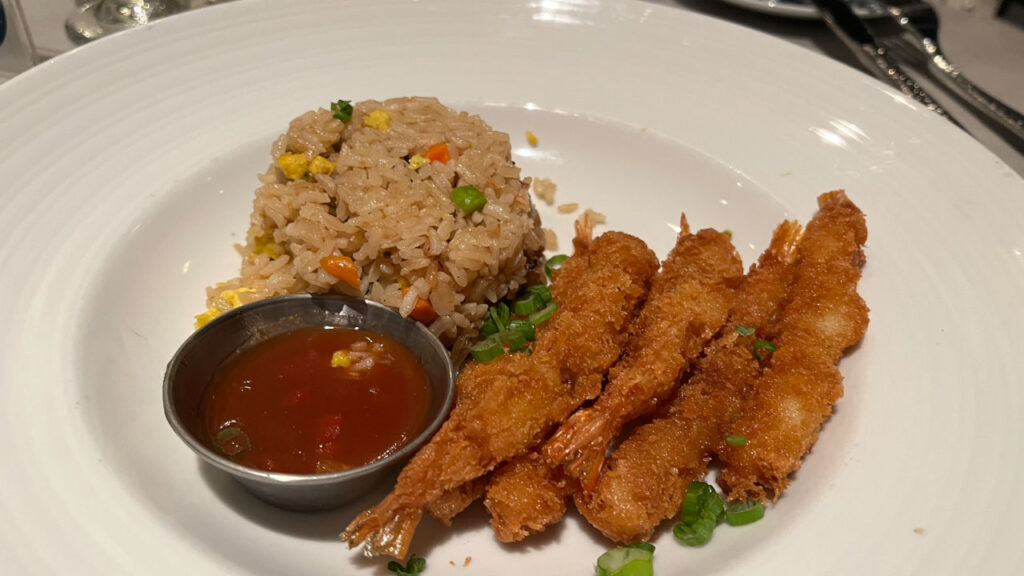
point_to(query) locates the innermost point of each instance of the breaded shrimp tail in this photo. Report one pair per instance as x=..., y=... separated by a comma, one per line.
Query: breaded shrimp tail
x=689, y=301
x=391, y=538
x=646, y=477
x=823, y=317
x=508, y=405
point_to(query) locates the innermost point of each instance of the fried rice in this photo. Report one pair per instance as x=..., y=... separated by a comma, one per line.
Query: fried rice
x=361, y=189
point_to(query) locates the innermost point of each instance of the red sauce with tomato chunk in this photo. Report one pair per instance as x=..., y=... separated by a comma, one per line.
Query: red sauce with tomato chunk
x=282, y=406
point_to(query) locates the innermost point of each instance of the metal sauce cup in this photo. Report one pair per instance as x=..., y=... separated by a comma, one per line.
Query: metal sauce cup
x=194, y=365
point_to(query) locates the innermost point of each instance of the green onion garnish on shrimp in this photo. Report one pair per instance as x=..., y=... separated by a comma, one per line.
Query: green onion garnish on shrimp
x=637, y=559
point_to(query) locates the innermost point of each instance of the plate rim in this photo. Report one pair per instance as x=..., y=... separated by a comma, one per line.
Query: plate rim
x=41, y=76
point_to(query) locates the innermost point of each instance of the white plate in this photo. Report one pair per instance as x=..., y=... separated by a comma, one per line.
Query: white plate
x=127, y=171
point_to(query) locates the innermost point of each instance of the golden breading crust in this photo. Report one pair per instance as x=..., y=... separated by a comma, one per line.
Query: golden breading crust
x=646, y=477
x=525, y=495
x=508, y=405
x=689, y=301
x=450, y=504
x=824, y=317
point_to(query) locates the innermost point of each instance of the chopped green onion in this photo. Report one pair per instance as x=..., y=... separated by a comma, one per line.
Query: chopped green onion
x=342, y=110
x=518, y=333
x=745, y=330
x=468, y=198
x=524, y=327
x=702, y=508
x=715, y=505
x=544, y=314
x=742, y=513
x=528, y=304
x=499, y=313
x=233, y=441
x=634, y=560
x=736, y=440
x=694, y=501
x=643, y=546
x=515, y=339
x=541, y=290
x=554, y=263
x=763, y=345
x=696, y=534
x=728, y=233
x=487, y=349
x=413, y=567
x=488, y=327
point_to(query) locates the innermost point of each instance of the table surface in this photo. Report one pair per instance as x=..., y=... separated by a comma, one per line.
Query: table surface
x=986, y=48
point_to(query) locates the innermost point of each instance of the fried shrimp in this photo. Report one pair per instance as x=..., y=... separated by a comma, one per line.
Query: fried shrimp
x=525, y=495
x=645, y=479
x=689, y=301
x=823, y=317
x=508, y=405
x=450, y=504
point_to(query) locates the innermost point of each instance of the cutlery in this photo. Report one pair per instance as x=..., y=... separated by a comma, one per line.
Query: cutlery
x=849, y=28
x=918, y=20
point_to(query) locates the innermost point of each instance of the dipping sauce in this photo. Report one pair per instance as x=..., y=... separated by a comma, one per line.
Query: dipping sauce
x=316, y=400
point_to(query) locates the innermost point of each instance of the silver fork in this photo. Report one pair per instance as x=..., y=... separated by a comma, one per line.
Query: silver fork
x=868, y=47
x=918, y=21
